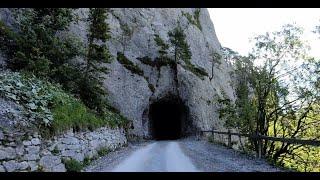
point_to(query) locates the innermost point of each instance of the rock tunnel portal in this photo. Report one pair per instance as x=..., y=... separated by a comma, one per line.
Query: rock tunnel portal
x=168, y=118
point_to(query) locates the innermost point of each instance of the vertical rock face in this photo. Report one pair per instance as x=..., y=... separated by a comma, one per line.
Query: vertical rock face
x=132, y=92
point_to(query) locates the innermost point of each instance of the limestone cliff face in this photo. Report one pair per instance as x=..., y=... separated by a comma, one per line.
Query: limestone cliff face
x=132, y=93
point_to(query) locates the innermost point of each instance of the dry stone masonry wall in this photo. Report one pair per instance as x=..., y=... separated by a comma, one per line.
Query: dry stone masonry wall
x=20, y=152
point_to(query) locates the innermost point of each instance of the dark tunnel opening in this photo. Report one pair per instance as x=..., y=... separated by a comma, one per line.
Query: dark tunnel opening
x=167, y=117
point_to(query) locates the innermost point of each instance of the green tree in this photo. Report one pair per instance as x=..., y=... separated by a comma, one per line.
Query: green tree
x=92, y=91
x=283, y=86
x=182, y=52
x=215, y=59
x=284, y=98
x=181, y=49
x=241, y=114
x=34, y=46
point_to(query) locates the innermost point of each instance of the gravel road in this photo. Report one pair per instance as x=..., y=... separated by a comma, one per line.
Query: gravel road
x=186, y=155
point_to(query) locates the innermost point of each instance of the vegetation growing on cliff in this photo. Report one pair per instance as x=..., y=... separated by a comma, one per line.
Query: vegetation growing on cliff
x=194, y=19
x=73, y=165
x=125, y=36
x=50, y=109
x=163, y=59
x=128, y=64
x=162, y=45
x=182, y=51
x=133, y=68
x=157, y=62
x=91, y=88
x=216, y=60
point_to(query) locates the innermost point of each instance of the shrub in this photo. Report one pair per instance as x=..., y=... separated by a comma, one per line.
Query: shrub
x=37, y=47
x=55, y=151
x=86, y=161
x=158, y=62
x=147, y=60
x=103, y=151
x=73, y=165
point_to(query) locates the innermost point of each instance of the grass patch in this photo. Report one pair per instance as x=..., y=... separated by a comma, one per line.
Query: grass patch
x=55, y=151
x=122, y=59
x=75, y=115
x=73, y=165
x=86, y=161
x=72, y=113
x=103, y=151
x=210, y=139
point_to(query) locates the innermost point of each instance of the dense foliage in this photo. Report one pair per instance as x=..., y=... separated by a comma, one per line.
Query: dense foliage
x=73, y=165
x=278, y=95
x=48, y=108
x=91, y=88
x=34, y=46
x=34, y=95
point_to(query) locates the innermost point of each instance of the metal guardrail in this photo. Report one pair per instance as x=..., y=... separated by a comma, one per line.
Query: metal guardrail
x=262, y=137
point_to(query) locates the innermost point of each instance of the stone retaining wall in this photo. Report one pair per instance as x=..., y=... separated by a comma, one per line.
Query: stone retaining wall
x=33, y=153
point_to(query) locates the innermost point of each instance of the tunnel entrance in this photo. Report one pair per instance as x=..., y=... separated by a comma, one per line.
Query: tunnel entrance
x=167, y=118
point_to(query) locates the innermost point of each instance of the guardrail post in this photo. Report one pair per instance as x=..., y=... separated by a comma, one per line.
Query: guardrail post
x=259, y=146
x=212, y=135
x=229, y=138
